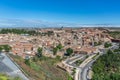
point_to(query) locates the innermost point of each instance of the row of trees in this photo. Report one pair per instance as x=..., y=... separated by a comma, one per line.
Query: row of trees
x=107, y=67
x=19, y=31
x=59, y=47
x=39, y=53
x=24, y=31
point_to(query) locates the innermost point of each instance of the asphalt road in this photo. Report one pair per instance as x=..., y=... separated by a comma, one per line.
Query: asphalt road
x=7, y=66
x=70, y=61
x=4, y=68
x=73, y=58
x=84, y=71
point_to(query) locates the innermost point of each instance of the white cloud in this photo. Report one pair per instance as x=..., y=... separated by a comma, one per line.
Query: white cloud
x=6, y=24
x=39, y=23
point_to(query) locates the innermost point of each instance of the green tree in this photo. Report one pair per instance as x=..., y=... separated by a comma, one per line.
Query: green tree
x=7, y=48
x=59, y=46
x=55, y=50
x=39, y=52
x=69, y=51
x=27, y=62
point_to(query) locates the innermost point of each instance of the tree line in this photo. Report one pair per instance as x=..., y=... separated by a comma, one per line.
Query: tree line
x=24, y=31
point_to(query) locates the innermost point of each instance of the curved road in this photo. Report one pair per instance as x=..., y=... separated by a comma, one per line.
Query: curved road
x=83, y=73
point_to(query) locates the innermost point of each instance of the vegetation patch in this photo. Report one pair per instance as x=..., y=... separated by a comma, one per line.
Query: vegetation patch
x=78, y=62
x=115, y=34
x=97, y=43
x=42, y=68
x=107, y=67
x=6, y=48
x=5, y=77
x=26, y=32
x=107, y=45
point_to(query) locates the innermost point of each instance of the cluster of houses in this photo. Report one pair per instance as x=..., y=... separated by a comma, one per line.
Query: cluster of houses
x=80, y=40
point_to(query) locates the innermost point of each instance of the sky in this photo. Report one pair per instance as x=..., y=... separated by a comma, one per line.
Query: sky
x=60, y=11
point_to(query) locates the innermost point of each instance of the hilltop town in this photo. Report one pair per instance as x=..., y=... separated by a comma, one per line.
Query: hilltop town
x=80, y=40
x=68, y=49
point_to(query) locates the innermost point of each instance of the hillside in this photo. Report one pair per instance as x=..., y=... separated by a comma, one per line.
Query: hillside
x=107, y=67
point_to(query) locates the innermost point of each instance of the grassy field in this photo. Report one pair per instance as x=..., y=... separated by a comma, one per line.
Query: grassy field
x=44, y=69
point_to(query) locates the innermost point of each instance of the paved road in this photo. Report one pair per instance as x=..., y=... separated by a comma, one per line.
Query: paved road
x=84, y=68
x=7, y=66
x=84, y=71
x=4, y=68
x=79, y=70
x=69, y=62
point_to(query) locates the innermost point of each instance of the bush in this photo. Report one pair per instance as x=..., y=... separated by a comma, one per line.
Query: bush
x=69, y=51
x=107, y=45
x=27, y=62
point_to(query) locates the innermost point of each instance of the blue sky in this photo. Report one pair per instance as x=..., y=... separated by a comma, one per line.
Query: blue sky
x=66, y=11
